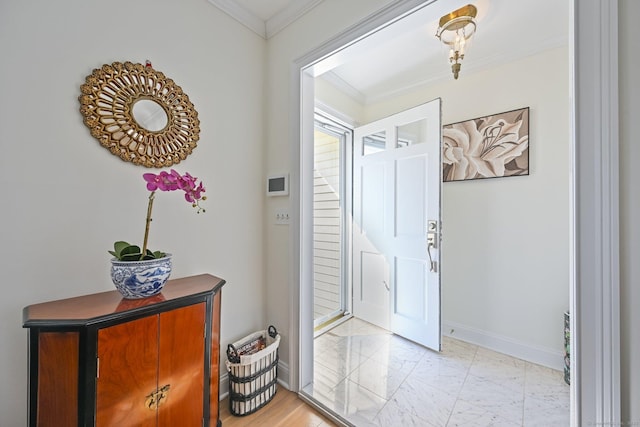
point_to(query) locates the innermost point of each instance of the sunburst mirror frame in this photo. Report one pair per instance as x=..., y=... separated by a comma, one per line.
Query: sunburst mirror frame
x=106, y=103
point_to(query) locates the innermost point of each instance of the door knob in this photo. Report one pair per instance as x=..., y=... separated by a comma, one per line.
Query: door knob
x=432, y=242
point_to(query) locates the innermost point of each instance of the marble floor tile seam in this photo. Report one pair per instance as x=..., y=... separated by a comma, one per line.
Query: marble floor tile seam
x=467, y=414
x=434, y=407
x=350, y=349
x=397, y=391
x=501, y=385
x=464, y=373
x=372, y=391
x=541, y=381
x=511, y=407
x=355, y=351
x=541, y=390
x=482, y=357
x=386, y=399
x=369, y=389
x=343, y=374
x=359, y=338
x=348, y=377
x=513, y=378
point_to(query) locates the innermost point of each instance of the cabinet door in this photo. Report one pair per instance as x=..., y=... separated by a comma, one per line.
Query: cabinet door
x=57, y=403
x=138, y=359
x=181, y=366
x=127, y=373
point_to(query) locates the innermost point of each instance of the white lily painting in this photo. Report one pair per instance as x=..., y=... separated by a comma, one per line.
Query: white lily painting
x=487, y=147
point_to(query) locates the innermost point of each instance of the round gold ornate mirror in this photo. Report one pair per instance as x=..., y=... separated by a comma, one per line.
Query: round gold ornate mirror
x=139, y=114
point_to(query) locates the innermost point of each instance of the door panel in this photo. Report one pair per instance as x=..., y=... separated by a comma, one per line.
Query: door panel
x=128, y=369
x=397, y=182
x=371, y=295
x=58, y=379
x=181, y=366
x=372, y=201
x=410, y=193
x=410, y=289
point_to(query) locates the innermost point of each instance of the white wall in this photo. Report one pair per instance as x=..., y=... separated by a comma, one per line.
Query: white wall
x=65, y=199
x=629, y=211
x=506, y=251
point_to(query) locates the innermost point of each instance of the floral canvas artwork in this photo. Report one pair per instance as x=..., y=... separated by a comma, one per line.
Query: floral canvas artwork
x=487, y=147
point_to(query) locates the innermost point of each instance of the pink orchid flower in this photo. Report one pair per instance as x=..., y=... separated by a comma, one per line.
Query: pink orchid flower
x=174, y=181
x=171, y=181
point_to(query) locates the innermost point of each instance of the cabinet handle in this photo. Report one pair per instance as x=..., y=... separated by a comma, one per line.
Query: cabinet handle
x=157, y=397
x=150, y=401
x=163, y=394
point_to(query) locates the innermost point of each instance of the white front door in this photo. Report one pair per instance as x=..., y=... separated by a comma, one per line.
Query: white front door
x=396, y=223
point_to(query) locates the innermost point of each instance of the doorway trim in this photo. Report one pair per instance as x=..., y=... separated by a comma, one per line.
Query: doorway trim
x=595, y=303
x=596, y=259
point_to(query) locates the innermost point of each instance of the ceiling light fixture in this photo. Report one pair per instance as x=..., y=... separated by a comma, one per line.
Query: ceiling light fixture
x=454, y=30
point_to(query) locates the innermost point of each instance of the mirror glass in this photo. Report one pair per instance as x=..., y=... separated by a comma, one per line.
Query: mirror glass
x=149, y=115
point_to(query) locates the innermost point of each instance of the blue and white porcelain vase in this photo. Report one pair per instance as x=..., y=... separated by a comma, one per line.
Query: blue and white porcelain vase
x=140, y=279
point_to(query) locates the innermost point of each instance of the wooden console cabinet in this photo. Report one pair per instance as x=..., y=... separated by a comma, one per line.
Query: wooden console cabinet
x=100, y=360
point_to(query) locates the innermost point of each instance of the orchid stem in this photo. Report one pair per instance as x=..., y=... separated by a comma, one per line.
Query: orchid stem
x=146, y=229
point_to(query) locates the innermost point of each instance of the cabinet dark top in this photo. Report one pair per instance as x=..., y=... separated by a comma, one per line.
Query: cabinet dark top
x=87, y=309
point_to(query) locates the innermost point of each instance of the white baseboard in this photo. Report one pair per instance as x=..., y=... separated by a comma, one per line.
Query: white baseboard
x=283, y=379
x=539, y=355
x=283, y=374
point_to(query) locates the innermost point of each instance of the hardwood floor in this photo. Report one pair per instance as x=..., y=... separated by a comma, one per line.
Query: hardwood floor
x=285, y=410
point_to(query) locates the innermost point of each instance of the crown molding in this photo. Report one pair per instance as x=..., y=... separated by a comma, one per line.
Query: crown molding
x=289, y=15
x=273, y=25
x=242, y=15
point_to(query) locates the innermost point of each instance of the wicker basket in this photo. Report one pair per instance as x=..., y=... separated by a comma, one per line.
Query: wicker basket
x=252, y=364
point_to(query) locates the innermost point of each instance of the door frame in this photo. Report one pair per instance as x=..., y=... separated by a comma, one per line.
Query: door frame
x=595, y=276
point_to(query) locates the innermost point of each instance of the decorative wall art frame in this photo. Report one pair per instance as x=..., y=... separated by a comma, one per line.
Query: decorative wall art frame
x=487, y=147
x=139, y=114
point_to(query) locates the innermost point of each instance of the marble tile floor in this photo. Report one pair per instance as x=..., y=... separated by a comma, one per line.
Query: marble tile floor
x=374, y=378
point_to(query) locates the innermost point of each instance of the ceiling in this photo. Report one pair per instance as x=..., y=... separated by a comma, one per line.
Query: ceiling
x=407, y=54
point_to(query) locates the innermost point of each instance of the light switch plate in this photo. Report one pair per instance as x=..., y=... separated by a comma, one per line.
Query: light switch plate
x=282, y=216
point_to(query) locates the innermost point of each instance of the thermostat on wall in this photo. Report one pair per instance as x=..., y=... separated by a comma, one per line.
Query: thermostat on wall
x=278, y=185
